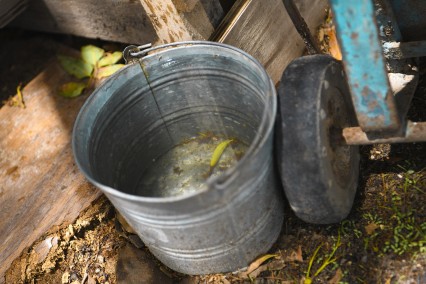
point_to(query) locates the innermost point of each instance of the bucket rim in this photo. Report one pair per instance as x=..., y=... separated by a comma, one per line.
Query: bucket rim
x=220, y=182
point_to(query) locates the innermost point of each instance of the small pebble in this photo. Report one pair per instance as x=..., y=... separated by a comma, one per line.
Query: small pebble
x=97, y=270
x=65, y=277
x=73, y=277
x=100, y=259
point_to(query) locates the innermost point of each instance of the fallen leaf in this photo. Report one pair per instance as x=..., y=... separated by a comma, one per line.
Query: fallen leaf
x=75, y=66
x=18, y=100
x=91, y=54
x=20, y=97
x=370, y=228
x=337, y=277
x=255, y=264
x=108, y=70
x=257, y=271
x=296, y=255
x=72, y=89
x=276, y=264
x=110, y=58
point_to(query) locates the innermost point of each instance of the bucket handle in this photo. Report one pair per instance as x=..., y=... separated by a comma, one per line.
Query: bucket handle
x=133, y=53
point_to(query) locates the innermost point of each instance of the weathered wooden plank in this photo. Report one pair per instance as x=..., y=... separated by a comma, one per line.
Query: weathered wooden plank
x=178, y=20
x=264, y=30
x=40, y=185
x=122, y=21
x=128, y=21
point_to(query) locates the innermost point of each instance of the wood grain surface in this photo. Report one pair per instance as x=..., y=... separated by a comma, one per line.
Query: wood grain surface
x=127, y=21
x=40, y=185
x=264, y=30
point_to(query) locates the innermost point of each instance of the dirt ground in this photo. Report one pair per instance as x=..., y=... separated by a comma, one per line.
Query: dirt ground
x=382, y=241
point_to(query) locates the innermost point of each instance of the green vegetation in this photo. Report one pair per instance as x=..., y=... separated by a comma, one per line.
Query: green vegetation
x=329, y=259
x=94, y=63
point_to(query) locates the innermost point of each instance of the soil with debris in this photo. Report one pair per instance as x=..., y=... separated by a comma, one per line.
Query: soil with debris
x=84, y=250
x=382, y=241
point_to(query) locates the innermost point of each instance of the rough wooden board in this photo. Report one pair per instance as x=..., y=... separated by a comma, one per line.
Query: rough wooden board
x=180, y=20
x=128, y=21
x=264, y=30
x=40, y=185
x=122, y=21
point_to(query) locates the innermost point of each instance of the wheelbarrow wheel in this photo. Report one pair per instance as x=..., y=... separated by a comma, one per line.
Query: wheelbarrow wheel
x=319, y=172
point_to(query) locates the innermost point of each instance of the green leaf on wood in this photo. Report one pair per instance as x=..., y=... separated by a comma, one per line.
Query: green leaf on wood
x=72, y=89
x=91, y=54
x=110, y=58
x=108, y=70
x=75, y=67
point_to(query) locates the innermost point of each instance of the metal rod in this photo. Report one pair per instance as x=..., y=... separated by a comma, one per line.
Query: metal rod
x=301, y=27
x=416, y=132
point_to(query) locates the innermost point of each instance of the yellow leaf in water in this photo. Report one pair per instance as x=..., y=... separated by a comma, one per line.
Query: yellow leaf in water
x=108, y=70
x=218, y=152
x=91, y=54
x=110, y=58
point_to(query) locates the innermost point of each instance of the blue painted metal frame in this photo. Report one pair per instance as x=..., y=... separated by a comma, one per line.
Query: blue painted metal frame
x=364, y=64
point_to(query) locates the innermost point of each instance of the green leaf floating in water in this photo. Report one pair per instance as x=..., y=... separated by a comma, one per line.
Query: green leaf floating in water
x=110, y=58
x=72, y=89
x=108, y=70
x=75, y=66
x=91, y=54
x=218, y=152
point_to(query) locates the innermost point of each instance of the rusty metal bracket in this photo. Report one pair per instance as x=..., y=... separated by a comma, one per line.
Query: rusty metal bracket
x=416, y=132
x=402, y=50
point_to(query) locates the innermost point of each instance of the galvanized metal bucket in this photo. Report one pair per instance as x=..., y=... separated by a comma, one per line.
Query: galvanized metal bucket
x=182, y=97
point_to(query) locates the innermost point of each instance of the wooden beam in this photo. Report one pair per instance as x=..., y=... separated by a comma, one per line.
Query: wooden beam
x=135, y=22
x=264, y=30
x=40, y=185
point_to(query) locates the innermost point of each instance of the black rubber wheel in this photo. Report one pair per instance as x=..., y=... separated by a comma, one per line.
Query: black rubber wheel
x=319, y=172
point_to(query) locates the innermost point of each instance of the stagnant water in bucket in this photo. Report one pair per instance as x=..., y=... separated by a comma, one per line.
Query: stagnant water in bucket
x=185, y=168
